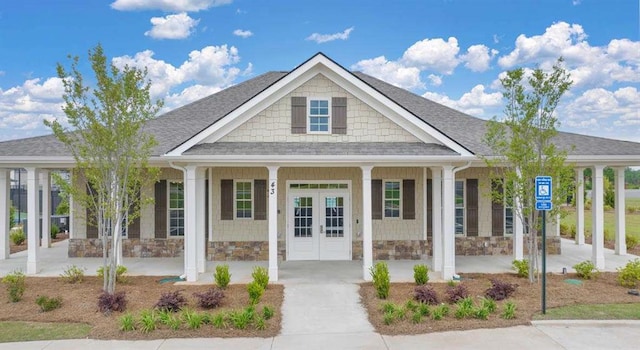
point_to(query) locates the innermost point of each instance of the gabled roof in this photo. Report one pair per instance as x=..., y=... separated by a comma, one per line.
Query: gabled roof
x=178, y=126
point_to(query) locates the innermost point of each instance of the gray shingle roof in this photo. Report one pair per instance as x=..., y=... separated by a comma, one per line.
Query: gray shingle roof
x=320, y=148
x=176, y=127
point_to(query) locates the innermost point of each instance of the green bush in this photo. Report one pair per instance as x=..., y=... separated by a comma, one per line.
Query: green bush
x=15, y=282
x=127, y=322
x=72, y=274
x=148, y=321
x=54, y=231
x=631, y=241
x=261, y=276
x=17, y=236
x=381, y=281
x=509, y=311
x=222, y=276
x=120, y=273
x=629, y=275
x=521, y=267
x=255, y=291
x=421, y=274
x=47, y=304
x=586, y=270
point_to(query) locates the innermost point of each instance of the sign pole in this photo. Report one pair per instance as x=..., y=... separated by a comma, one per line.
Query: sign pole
x=544, y=262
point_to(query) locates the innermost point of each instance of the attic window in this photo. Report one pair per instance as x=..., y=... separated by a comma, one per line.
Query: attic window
x=319, y=118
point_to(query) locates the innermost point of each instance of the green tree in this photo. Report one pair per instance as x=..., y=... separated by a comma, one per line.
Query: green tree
x=109, y=145
x=523, y=148
x=12, y=214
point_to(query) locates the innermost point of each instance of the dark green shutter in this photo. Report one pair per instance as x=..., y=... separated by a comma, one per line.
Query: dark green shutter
x=472, y=207
x=408, y=199
x=339, y=115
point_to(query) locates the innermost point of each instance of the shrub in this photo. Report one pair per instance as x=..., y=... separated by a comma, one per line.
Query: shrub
x=500, y=290
x=261, y=276
x=127, y=322
x=586, y=270
x=421, y=274
x=411, y=305
x=171, y=301
x=260, y=323
x=425, y=294
x=629, y=275
x=193, y=319
x=423, y=309
x=489, y=304
x=457, y=293
x=565, y=229
x=209, y=299
x=148, y=321
x=464, y=308
x=219, y=320
x=267, y=312
x=509, y=311
x=255, y=291
x=521, y=267
x=240, y=319
x=108, y=302
x=15, y=282
x=631, y=241
x=388, y=307
x=17, y=236
x=54, y=231
x=120, y=273
x=416, y=317
x=381, y=281
x=222, y=276
x=47, y=304
x=169, y=318
x=439, y=312
x=72, y=274
x=388, y=318
x=481, y=313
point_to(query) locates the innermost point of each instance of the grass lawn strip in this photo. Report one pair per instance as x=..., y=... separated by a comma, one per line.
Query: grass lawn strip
x=15, y=331
x=593, y=312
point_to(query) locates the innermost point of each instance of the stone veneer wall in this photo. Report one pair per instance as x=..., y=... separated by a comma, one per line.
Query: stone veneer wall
x=131, y=248
x=242, y=251
x=421, y=250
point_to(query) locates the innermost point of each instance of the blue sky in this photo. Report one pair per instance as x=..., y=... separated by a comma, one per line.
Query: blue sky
x=451, y=51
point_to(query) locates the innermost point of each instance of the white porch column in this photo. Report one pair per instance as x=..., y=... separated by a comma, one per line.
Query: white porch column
x=367, y=223
x=621, y=229
x=191, y=196
x=201, y=234
x=33, y=222
x=210, y=199
x=579, y=206
x=448, y=223
x=597, y=206
x=273, y=223
x=5, y=220
x=436, y=219
x=425, y=195
x=45, y=182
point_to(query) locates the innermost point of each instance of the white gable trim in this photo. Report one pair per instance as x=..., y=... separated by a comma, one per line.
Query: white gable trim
x=320, y=64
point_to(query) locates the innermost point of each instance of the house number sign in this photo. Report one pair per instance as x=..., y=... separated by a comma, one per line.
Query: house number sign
x=273, y=188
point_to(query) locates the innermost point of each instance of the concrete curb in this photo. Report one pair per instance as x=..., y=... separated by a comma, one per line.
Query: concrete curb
x=586, y=323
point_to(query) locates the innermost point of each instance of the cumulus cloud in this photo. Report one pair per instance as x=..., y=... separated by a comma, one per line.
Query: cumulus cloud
x=433, y=54
x=435, y=80
x=476, y=102
x=390, y=71
x=601, y=107
x=242, y=33
x=167, y=5
x=178, y=26
x=478, y=58
x=323, y=38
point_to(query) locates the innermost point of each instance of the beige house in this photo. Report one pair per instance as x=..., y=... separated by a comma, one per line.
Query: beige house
x=318, y=163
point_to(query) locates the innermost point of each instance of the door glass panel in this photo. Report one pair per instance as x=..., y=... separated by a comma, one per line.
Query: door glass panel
x=334, y=217
x=302, y=216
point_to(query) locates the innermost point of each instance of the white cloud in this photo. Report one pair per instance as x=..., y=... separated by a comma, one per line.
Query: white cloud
x=390, y=71
x=167, y=5
x=475, y=102
x=178, y=26
x=435, y=80
x=603, y=108
x=323, y=38
x=189, y=94
x=433, y=54
x=496, y=38
x=242, y=33
x=478, y=57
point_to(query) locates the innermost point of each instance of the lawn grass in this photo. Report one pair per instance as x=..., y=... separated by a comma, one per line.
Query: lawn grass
x=632, y=220
x=29, y=331
x=593, y=312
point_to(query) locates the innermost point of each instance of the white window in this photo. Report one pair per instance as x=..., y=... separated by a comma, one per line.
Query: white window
x=319, y=118
x=176, y=209
x=508, y=211
x=244, y=199
x=460, y=227
x=392, y=199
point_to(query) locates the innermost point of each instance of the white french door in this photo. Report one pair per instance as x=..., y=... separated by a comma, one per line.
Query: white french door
x=319, y=224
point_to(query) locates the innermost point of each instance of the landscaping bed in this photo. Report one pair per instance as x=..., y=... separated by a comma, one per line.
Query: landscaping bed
x=79, y=305
x=527, y=299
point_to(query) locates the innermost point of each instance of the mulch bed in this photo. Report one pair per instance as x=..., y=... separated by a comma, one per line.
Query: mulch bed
x=79, y=304
x=527, y=298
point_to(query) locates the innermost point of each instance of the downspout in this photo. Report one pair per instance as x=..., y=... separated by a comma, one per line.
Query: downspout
x=454, y=171
x=184, y=181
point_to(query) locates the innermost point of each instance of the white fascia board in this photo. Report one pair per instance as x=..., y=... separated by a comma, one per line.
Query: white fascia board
x=37, y=161
x=315, y=159
x=344, y=78
x=589, y=160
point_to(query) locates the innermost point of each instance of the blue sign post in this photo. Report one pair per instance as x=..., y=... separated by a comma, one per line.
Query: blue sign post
x=544, y=188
